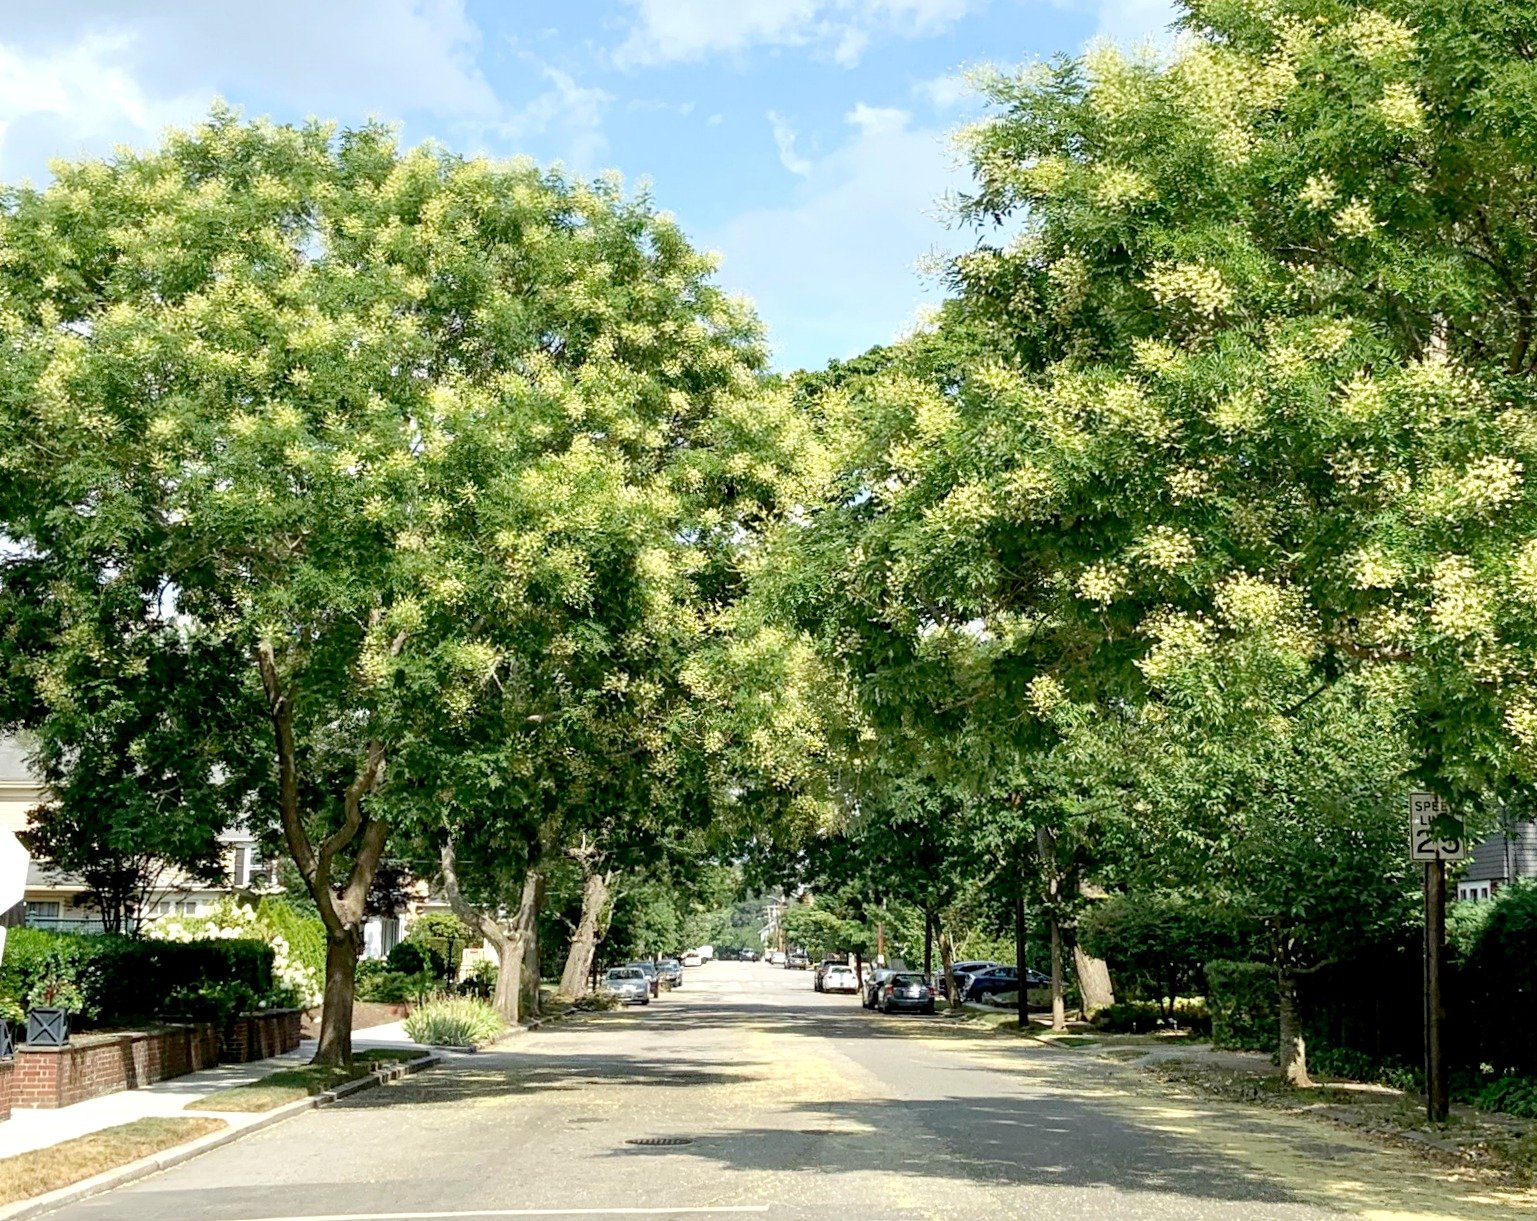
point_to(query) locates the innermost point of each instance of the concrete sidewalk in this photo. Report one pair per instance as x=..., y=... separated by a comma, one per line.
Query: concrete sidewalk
x=32, y=1128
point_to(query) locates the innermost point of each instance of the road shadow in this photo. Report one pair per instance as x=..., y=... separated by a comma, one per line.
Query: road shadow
x=998, y=1141
x=514, y=1074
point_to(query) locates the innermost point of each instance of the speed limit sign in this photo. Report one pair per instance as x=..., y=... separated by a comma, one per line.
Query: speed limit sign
x=1429, y=840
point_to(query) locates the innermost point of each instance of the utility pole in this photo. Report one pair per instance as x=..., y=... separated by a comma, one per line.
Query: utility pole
x=1437, y=1103
x=1022, y=1004
x=1435, y=837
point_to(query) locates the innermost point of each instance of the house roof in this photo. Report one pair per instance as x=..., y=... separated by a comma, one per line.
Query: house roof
x=13, y=763
x=1504, y=858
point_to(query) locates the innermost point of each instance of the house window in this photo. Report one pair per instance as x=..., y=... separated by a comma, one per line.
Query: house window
x=1472, y=891
x=248, y=865
x=45, y=909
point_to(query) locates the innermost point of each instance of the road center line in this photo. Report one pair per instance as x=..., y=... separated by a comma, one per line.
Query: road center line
x=680, y=1211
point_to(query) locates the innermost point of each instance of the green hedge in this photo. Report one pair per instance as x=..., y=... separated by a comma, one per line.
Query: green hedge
x=1245, y=1010
x=123, y=980
x=1495, y=993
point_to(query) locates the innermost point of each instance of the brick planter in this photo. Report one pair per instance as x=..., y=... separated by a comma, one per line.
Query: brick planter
x=98, y=1064
x=7, y=1082
x=257, y=1036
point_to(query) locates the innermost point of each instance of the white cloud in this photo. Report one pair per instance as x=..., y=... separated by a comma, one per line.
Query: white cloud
x=572, y=110
x=784, y=139
x=1132, y=22
x=77, y=80
x=945, y=92
x=667, y=31
x=832, y=270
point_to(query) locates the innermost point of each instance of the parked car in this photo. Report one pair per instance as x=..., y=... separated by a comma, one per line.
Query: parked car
x=905, y=990
x=629, y=984
x=798, y=960
x=671, y=970
x=832, y=960
x=749, y=955
x=839, y=978
x=692, y=959
x=873, y=980
x=652, y=974
x=775, y=958
x=963, y=973
x=996, y=980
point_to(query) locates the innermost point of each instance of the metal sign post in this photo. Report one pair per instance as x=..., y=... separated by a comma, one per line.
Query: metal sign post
x=1435, y=837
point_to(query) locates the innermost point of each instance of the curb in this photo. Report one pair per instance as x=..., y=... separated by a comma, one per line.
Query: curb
x=121, y=1175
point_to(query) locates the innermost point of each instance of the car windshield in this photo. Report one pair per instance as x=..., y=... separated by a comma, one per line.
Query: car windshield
x=626, y=973
x=905, y=979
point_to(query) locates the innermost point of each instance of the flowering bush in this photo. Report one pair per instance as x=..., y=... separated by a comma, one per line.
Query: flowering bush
x=295, y=981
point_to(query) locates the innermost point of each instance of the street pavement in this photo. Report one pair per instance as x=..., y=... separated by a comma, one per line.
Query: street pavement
x=788, y=1104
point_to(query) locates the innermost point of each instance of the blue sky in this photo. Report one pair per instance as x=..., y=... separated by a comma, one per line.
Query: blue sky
x=805, y=140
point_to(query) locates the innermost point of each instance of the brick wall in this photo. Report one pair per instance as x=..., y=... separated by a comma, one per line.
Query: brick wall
x=7, y=1077
x=93, y=1065
x=256, y=1036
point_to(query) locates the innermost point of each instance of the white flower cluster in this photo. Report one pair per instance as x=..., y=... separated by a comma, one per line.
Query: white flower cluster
x=1101, y=583
x=1355, y=219
x=1196, y=285
x=1459, y=606
x=1167, y=549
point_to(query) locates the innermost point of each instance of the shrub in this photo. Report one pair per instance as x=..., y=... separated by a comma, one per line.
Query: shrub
x=392, y=987
x=1245, y=1008
x=415, y=958
x=274, y=922
x=1156, y=943
x=1512, y=1095
x=454, y=1021
x=121, y=980
x=1353, y=1065
x=1497, y=978
x=212, y=1002
x=1139, y=1017
x=481, y=981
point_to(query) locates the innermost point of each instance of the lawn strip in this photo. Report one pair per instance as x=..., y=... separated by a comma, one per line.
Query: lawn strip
x=291, y=1084
x=43, y=1170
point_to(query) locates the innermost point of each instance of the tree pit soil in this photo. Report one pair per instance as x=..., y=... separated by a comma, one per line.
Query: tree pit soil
x=365, y=1016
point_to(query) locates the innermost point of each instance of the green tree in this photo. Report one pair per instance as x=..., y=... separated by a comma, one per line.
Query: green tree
x=388, y=422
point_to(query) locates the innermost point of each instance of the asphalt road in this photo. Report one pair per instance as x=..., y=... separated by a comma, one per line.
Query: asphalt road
x=792, y=1105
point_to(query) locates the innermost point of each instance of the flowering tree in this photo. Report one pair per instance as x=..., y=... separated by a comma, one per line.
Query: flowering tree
x=392, y=424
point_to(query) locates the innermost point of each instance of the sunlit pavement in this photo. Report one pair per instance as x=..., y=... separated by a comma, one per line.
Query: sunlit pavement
x=747, y=1094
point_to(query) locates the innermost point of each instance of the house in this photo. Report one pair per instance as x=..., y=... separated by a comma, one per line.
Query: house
x=53, y=900
x=1508, y=855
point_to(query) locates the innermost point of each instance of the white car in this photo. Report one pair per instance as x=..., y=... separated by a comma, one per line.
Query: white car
x=775, y=958
x=839, y=979
x=692, y=959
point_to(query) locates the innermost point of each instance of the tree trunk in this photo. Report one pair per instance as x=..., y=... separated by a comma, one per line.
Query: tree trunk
x=947, y=957
x=928, y=944
x=341, y=908
x=341, y=986
x=509, y=949
x=584, y=942
x=1094, y=988
x=1058, y=1005
x=1294, y=1056
x=526, y=935
x=880, y=943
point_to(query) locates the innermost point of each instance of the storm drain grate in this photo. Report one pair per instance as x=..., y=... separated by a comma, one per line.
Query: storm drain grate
x=652, y=1141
